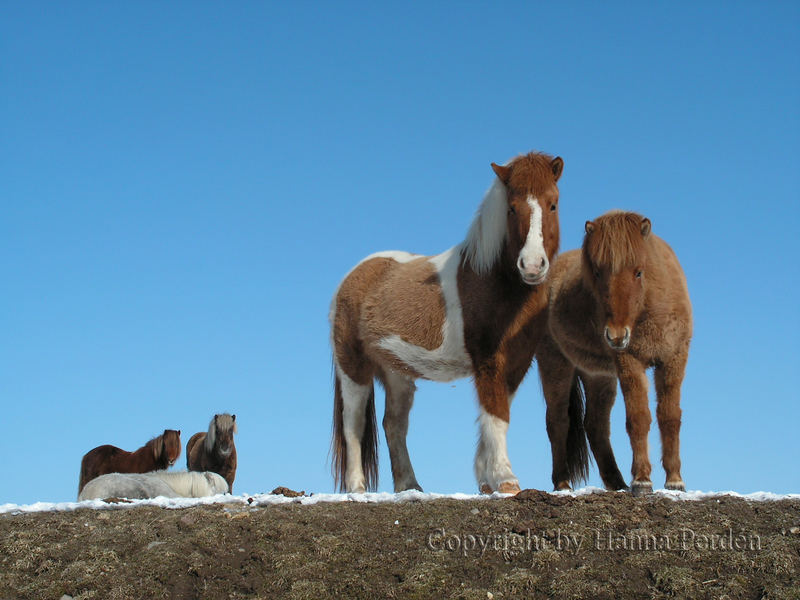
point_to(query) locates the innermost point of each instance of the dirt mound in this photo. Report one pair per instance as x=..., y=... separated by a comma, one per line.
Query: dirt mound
x=533, y=545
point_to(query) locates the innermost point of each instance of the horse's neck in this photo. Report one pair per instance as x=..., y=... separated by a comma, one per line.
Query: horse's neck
x=146, y=452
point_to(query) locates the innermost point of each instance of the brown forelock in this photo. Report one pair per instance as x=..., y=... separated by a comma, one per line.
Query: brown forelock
x=532, y=175
x=615, y=243
x=172, y=443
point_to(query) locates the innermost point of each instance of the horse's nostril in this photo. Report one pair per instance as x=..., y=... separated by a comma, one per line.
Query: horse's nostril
x=544, y=262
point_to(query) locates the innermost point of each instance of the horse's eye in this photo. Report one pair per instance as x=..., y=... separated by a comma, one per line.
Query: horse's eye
x=552, y=208
x=511, y=210
x=638, y=274
x=596, y=273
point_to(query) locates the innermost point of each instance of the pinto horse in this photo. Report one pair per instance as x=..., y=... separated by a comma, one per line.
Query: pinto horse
x=475, y=310
x=617, y=307
x=214, y=450
x=159, y=453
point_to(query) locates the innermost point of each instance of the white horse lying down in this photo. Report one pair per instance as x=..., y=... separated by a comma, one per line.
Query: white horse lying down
x=176, y=484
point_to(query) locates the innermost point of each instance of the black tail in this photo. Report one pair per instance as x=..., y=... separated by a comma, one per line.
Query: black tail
x=577, y=448
x=369, y=441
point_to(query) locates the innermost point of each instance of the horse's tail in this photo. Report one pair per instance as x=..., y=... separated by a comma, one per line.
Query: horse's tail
x=577, y=448
x=82, y=476
x=369, y=441
x=89, y=468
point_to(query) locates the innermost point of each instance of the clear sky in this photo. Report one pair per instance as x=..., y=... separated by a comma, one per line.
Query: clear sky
x=183, y=185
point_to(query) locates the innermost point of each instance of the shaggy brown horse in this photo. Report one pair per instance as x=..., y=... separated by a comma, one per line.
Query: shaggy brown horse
x=159, y=453
x=214, y=450
x=618, y=306
x=475, y=310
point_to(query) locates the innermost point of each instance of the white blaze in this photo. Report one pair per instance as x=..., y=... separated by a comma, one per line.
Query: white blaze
x=533, y=251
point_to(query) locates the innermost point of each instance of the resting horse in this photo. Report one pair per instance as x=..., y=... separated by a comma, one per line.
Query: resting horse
x=172, y=484
x=159, y=453
x=475, y=310
x=214, y=450
x=617, y=307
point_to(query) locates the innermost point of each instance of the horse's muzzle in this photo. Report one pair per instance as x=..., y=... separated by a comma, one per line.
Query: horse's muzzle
x=618, y=342
x=533, y=274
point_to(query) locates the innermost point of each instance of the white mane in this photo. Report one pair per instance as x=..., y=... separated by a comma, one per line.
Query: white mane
x=486, y=235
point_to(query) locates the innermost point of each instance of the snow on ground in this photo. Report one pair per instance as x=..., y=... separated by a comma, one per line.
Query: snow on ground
x=410, y=495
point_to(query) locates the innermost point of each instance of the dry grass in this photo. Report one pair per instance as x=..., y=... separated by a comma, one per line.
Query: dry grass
x=357, y=550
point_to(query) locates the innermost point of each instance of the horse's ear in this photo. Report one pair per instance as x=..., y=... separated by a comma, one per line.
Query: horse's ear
x=646, y=227
x=503, y=173
x=557, y=165
x=589, y=227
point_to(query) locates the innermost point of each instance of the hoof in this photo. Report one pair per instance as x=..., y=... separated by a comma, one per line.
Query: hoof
x=485, y=489
x=562, y=486
x=678, y=486
x=622, y=488
x=641, y=488
x=509, y=487
x=615, y=483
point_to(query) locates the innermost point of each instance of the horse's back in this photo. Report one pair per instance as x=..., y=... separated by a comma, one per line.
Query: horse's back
x=674, y=286
x=126, y=485
x=194, y=450
x=364, y=279
x=386, y=294
x=668, y=302
x=99, y=461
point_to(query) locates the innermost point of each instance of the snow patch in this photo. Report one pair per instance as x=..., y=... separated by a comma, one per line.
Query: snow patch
x=372, y=497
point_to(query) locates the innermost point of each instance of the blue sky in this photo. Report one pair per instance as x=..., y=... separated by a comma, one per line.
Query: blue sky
x=185, y=184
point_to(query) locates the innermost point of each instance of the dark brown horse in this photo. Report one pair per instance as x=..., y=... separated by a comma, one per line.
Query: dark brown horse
x=618, y=306
x=476, y=310
x=214, y=450
x=159, y=453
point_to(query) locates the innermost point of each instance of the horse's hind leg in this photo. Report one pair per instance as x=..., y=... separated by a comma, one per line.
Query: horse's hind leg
x=668, y=379
x=399, y=399
x=601, y=391
x=355, y=398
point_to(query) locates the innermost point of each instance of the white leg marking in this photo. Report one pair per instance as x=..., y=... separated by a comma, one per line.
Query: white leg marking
x=450, y=360
x=492, y=466
x=354, y=402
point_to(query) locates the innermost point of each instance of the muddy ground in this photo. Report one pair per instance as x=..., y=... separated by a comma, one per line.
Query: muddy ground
x=534, y=545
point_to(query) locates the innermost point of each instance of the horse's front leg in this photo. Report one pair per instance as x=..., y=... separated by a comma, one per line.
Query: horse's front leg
x=668, y=379
x=556, y=374
x=492, y=466
x=633, y=381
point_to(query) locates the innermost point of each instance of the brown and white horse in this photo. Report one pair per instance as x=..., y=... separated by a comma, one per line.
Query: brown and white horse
x=475, y=310
x=159, y=453
x=617, y=307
